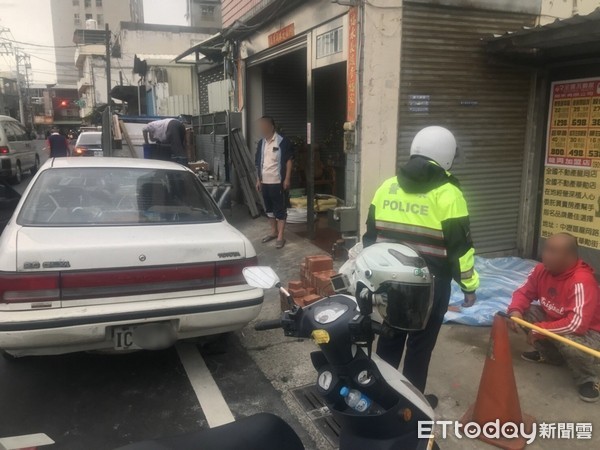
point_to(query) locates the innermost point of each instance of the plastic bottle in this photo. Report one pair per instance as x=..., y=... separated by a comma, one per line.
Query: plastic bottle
x=355, y=399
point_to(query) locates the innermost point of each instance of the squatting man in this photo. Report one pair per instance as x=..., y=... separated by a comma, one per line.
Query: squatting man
x=567, y=292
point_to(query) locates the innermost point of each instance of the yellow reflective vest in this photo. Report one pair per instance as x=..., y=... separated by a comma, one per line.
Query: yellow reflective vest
x=431, y=217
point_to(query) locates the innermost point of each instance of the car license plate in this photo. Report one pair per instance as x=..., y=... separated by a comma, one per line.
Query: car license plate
x=123, y=338
x=97, y=153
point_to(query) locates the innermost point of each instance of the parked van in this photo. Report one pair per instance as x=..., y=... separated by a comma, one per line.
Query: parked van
x=18, y=152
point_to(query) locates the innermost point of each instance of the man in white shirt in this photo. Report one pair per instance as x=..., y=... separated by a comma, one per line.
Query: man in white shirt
x=167, y=131
x=274, y=159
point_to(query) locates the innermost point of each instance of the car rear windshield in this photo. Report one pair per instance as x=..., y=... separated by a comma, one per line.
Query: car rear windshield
x=90, y=139
x=116, y=196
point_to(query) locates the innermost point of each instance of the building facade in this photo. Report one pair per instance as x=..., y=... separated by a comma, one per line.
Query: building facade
x=319, y=75
x=204, y=13
x=9, y=97
x=70, y=15
x=167, y=88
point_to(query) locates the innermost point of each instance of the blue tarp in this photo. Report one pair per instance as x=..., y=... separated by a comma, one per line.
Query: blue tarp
x=499, y=279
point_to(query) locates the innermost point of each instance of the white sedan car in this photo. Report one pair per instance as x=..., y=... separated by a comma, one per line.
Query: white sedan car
x=119, y=254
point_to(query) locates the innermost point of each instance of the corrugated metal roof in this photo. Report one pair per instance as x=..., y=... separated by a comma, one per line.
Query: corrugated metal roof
x=575, y=37
x=594, y=16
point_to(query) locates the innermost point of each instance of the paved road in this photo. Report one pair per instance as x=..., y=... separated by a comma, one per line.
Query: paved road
x=102, y=401
x=99, y=401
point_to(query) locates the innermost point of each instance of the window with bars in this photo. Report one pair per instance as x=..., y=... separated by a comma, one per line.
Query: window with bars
x=98, y=3
x=330, y=43
x=207, y=11
x=88, y=3
x=76, y=20
x=89, y=17
x=75, y=2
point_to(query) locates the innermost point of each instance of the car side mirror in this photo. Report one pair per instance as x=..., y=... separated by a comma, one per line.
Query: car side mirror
x=261, y=277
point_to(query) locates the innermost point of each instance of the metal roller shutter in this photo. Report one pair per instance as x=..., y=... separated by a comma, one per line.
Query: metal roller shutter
x=484, y=105
x=284, y=93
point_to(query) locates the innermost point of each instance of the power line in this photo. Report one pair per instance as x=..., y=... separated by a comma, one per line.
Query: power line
x=32, y=44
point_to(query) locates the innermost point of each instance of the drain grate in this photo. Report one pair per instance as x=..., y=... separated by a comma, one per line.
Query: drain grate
x=318, y=412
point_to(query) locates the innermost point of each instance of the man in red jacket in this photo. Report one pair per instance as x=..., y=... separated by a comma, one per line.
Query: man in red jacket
x=567, y=291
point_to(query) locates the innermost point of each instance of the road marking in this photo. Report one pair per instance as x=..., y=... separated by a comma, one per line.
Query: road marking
x=25, y=441
x=208, y=393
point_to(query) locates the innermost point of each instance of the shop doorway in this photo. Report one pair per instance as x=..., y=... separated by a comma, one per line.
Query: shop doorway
x=284, y=97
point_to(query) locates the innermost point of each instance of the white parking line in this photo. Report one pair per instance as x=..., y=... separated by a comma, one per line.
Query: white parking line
x=25, y=441
x=208, y=393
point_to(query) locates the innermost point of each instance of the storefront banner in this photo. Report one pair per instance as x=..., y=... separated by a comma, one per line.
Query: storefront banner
x=571, y=201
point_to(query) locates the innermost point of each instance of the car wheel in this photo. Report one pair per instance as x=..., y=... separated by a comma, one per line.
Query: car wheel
x=36, y=165
x=18, y=176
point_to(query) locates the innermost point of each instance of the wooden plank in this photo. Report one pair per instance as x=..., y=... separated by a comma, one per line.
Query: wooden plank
x=127, y=139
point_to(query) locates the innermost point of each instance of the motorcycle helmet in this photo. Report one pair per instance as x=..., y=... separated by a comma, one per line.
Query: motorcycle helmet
x=435, y=143
x=400, y=281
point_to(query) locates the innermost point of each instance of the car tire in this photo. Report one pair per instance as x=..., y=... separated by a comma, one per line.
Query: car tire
x=36, y=165
x=18, y=176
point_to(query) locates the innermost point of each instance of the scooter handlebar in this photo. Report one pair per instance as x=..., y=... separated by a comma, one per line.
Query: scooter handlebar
x=268, y=325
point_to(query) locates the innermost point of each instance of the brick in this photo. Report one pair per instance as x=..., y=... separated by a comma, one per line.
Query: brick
x=309, y=299
x=310, y=290
x=318, y=263
x=297, y=293
x=295, y=285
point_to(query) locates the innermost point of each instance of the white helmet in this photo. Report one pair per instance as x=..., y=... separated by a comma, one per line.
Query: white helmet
x=435, y=143
x=401, y=281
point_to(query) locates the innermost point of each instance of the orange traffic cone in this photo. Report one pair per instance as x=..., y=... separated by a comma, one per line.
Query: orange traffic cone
x=498, y=398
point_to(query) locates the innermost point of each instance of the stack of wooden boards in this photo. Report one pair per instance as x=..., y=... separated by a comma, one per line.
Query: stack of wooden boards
x=245, y=170
x=314, y=283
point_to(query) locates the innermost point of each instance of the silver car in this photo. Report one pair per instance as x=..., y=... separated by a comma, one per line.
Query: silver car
x=18, y=152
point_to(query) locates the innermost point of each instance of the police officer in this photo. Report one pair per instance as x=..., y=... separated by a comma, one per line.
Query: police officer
x=423, y=206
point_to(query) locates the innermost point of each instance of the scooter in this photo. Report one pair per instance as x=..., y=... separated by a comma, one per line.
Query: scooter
x=344, y=333
x=342, y=327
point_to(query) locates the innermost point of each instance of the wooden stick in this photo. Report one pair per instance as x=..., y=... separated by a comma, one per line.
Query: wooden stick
x=127, y=139
x=550, y=334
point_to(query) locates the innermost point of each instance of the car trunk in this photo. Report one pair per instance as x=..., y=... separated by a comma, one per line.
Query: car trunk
x=97, y=265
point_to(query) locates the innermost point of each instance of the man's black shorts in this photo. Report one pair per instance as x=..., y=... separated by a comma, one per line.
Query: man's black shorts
x=274, y=197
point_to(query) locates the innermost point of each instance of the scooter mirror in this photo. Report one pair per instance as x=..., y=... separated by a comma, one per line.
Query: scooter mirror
x=261, y=277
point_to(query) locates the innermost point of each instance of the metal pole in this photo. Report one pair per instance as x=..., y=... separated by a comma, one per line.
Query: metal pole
x=21, y=108
x=107, y=125
x=310, y=163
x=550, y=334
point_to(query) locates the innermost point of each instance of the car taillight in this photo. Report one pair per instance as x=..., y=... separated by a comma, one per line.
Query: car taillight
x=79, y=150
x=28, y=287
x=4, y=150
x=230, y=273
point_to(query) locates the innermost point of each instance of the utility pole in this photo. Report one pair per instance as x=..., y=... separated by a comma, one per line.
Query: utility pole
x=108, y=80
x=8, y=48
x=21, y=108
x=107, y=116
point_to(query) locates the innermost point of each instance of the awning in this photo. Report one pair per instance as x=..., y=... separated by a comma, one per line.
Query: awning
x=575, y=38
x=211, y=48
